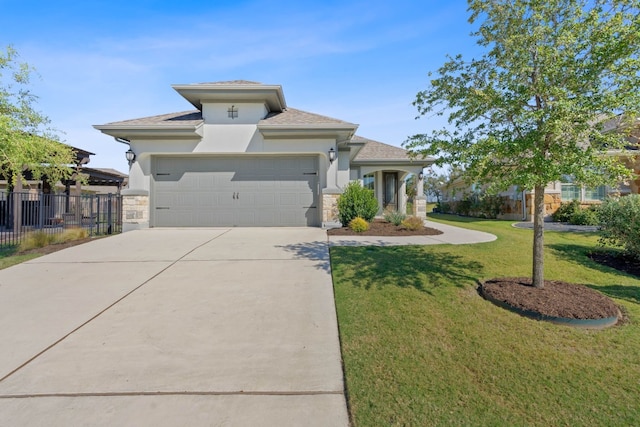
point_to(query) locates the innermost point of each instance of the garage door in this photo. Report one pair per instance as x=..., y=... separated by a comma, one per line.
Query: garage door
x=242, y=191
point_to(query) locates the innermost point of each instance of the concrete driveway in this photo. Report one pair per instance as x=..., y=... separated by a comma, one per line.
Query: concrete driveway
x=174, y=327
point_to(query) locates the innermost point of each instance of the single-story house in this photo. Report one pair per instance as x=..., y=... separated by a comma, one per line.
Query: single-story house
x=244, y=158
x=564, y=190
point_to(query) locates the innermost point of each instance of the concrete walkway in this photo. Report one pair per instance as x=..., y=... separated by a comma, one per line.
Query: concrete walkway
x=168, y=327
x=559, y=226
x=451, y=235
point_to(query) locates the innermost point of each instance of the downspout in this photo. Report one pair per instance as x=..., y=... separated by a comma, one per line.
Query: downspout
x=524, y=205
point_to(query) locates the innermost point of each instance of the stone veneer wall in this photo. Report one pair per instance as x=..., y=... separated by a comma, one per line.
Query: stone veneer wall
x=330, y=208
x=512, y=209
x=420, y=207
x=135, y=211
x=551, y=203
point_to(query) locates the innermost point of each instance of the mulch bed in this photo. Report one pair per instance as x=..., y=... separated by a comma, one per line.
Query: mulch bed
x=556, y=299
x=379, y=227
x=619, y=261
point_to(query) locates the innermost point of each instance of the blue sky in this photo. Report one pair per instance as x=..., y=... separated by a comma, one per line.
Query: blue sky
x=104, y=61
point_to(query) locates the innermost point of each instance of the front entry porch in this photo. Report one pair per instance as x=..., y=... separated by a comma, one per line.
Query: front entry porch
x=389, y=188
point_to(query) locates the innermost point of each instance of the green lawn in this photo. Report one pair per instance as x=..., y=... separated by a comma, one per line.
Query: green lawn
x=420, y=347
x=8, y=257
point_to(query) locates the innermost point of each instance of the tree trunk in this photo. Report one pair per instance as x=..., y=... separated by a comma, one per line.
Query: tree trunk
x=538, y=237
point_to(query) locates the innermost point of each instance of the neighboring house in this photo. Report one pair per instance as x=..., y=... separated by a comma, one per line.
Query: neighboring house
x=244, y=158
x=561, y=191
x=39, y=203
x=96, y=180
x=104, y=181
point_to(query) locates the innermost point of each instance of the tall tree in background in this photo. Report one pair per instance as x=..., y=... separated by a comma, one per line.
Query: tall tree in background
x=26, y=140
x=532, y=108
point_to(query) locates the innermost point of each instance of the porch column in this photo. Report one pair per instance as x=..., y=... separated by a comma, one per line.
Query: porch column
x=331, y=192
x=419, y=186
x=420, y=201
x=402, y=195
x=379, y=187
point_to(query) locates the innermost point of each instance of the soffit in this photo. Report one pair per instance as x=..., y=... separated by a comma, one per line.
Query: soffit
x=234, y=91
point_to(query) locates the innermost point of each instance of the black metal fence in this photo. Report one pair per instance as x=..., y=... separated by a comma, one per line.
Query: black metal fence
x=22, y=213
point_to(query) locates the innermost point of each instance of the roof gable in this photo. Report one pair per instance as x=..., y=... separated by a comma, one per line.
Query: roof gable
x=193, y=118
x=379, y=152
x=292, y=116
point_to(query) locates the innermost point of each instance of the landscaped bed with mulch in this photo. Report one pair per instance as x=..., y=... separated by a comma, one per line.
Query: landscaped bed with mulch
x=380, y=227
x=48, y=249
x=558, y=299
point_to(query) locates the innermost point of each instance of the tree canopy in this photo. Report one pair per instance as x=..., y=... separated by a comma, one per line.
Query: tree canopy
x=535, y=106
x=27, y=142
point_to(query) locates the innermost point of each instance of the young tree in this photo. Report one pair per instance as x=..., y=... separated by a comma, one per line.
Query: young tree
x=26, y=140
x=532, y=108
x=433, y=185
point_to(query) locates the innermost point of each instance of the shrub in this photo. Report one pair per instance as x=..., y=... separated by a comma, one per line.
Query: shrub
x=566, y=211
x=356, y=201
x=36, y=239
x=620, y=223
x=490, y=206
x=394, y=217
x=464, y=207
x=40, y=239
x=442, y=207
x=413, y=223
x=588, y=216
x=572, y=213
x=358, y=225
x=70, y=235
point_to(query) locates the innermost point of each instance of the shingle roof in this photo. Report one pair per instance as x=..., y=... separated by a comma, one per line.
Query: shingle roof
x=357, y=139
x=183, y=118
x=374, y=150
x=112, y=171
x=292, y=116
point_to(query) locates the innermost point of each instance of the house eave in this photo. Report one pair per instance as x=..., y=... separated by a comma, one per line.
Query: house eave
x=393, y=162
x=340, y=133
x=197, y=94
x=143, y=132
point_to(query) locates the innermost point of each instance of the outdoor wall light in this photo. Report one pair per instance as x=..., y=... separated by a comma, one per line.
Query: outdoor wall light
x=131, y=156
x=332, y=155
x=420, y=175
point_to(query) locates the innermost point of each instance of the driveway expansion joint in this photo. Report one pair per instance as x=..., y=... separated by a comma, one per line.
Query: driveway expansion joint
x=174, y=393
x=64, y=337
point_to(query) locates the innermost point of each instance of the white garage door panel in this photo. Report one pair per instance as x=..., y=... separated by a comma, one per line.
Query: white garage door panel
x=235, y=191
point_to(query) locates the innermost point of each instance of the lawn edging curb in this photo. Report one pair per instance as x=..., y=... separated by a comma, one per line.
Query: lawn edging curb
x=576, y=323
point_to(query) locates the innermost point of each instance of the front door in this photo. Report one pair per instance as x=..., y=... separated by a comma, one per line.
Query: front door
x=390, y=195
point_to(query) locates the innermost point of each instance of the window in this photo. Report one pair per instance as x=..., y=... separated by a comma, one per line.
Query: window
x=598, y=193
x=571, y=192
x=368, y=181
